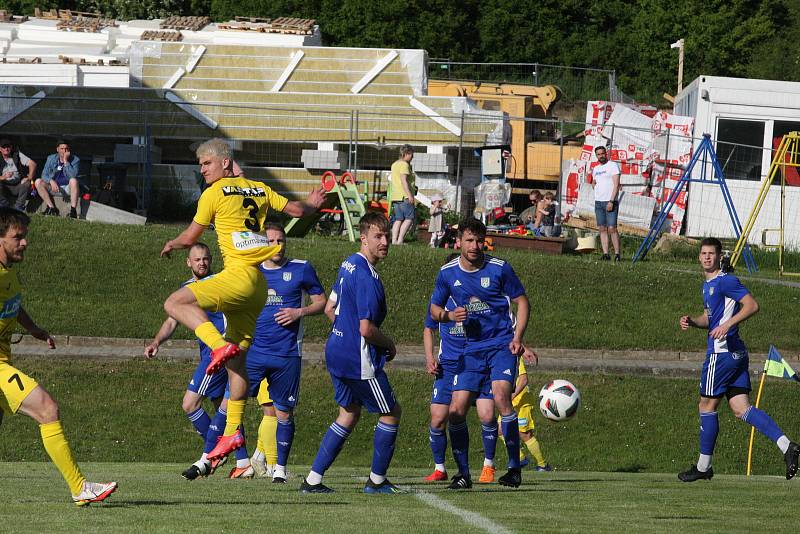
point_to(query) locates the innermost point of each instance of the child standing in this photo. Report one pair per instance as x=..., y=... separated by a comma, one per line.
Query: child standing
x=435, y=226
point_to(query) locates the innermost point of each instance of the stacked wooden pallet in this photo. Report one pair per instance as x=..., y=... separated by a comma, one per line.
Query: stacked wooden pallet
x=5, y=16
x=162, y=35
x=185, y=23
x=285, y=25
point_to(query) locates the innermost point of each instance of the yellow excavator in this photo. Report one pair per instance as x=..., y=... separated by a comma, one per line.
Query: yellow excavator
x=534, y=156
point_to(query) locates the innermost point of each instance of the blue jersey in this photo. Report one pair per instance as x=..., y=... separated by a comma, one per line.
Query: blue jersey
x=216, y=318
x=358, y=293
x=721, y=297
x=451, y=335
x=288, y=286
x=486, y=294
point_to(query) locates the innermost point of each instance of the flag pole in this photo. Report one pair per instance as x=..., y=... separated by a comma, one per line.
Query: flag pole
x=753, y=429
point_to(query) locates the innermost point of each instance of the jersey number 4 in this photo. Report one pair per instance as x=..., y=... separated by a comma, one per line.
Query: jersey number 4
x=252, y=222
x=16, y=377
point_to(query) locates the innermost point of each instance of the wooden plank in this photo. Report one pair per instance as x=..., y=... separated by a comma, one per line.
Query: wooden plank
x=547, y=245
x=591, y=224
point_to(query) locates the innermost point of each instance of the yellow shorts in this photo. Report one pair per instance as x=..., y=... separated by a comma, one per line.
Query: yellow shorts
x=240, y=292
x=15, y=386
x=524, y=408
x=263, y=393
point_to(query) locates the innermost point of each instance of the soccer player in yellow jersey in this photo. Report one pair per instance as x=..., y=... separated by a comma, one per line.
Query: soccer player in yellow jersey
x=523, y=402
x=19, y=392
x=237, y=207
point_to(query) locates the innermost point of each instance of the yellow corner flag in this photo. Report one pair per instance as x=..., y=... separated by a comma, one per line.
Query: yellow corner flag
x=777, y=366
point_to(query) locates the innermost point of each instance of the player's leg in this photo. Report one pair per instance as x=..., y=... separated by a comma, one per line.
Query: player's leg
x=484, y=405
x=459, y=433
x=184, y=307
x=440, y=409
x=502, y=371
x=526, y=426
x=44, y=193
x=74, y=192
x=739, y=402
x=35, y=402
x=266, y=453
x=192, y=403
x=334, y=438
x=284, y=389
x=377, y=397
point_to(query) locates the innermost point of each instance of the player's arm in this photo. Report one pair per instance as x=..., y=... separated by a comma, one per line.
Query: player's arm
x=431, y=365
x=296, y=208
x=330, y=306
x=523, y=313
x=530, y=356
x=441, y=292
x=373, y=335
x=287, y=316
x=700, y=321
x=406, y=188
x=748, y=309
x=186, y=239
x=614, y=192
x=27, y=323
x=522, y=383
x=164, y=333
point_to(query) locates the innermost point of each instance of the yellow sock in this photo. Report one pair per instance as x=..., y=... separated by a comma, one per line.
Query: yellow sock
x=266, y=438
x=521, y=454
x=235, y=414
x=208, y=334
x=533, y=446
x=55, y=443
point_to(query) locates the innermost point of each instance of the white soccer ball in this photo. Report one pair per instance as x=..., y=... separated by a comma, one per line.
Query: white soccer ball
x=559, y=400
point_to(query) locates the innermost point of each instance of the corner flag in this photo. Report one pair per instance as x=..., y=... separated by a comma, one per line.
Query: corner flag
x=777, y=366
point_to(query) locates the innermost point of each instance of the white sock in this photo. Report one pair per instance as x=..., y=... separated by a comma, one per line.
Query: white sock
x=279, y=471
x=488, y=463
x=783, y=443
x=440, y=467
x=704, y=463
x=376, y=479
x=314, y=478
x=258, y=456
x=241, y=464
x=204, y=457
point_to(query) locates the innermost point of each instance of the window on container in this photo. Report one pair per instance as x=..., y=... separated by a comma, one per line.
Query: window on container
x=779, y=129
x=738, y=148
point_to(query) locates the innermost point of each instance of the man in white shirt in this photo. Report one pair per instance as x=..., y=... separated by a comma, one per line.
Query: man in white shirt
x=606, y=204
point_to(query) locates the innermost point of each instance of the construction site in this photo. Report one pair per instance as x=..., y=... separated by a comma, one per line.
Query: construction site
x=135, y=97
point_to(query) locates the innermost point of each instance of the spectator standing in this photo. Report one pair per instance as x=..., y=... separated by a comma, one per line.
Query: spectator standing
x=18, y=171
x=60, y=175
x=435, y=225
x=606, y=202
x=402, y=198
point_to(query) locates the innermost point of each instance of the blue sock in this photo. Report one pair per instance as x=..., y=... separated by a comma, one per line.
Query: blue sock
x=383, y=447
x=459, y=440
x=438, y=444
x=709, y=428
x=284, y=436
x=241, y=452
x=509, y=424
x=200, y=421
x=332, y=443
x=215, y=429
x=489, y=436
x=763, y=423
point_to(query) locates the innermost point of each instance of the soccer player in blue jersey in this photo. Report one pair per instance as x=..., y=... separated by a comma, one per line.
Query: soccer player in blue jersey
x=726, y=369
x=443, y=365
x=483, y=288
x=202, y=386
x=277, y=343
x=355, y=353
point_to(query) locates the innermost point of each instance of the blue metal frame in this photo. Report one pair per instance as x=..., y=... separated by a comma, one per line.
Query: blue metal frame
x=706, y=147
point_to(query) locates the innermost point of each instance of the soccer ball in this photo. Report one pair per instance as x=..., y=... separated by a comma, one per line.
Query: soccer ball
x=559, y=400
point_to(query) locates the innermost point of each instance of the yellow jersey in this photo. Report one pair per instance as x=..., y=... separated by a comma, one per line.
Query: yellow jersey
x=238, y=207
x=521, y=371
x=11, y=298
x=399, y=168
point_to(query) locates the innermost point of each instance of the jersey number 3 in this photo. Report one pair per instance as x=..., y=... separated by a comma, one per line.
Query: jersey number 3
x=252, y=222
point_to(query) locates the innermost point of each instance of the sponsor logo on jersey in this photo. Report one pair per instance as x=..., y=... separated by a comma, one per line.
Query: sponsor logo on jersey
x=287, y=277
x=485, y=281
x=337, y=333
x=248, y=240
x=457, y=330
x=711, y=290
x=11, y=307
x=476, y=306
x=349, y=267
x=229, y=190
x=273, y=299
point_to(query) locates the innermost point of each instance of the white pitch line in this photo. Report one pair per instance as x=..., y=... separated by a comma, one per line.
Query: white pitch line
x=471, y=518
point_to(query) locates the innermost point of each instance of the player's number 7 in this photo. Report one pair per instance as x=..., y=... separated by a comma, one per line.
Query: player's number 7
x=16, y=377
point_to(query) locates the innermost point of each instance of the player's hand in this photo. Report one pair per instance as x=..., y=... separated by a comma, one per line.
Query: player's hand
x=287, y=316
x=460, y=314
x=685, y=322
x=53, y=186
x=391, y=352
x=151, y=350
x=431, y=365
x=316, y=197
x=516, y=347
x=720, y=332
x=43, y=335
x=167, y=250
x=530, y=356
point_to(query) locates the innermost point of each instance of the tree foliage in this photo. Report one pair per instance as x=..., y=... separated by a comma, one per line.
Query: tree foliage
x=753, y=38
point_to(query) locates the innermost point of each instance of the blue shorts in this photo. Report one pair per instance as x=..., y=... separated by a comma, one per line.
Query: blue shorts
x=282, y=375
x=723, y=371
x=483, y=367
x=476, y=382
x=402, y=210
x=375, y=394
x=443, y=385
x=209, y=386
x=606, y=218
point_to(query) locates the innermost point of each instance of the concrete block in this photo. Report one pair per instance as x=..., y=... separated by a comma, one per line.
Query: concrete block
x=437, y=163
x=324, y=159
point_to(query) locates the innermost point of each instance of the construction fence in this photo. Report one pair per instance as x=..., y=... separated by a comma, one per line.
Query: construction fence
x=140, y=151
